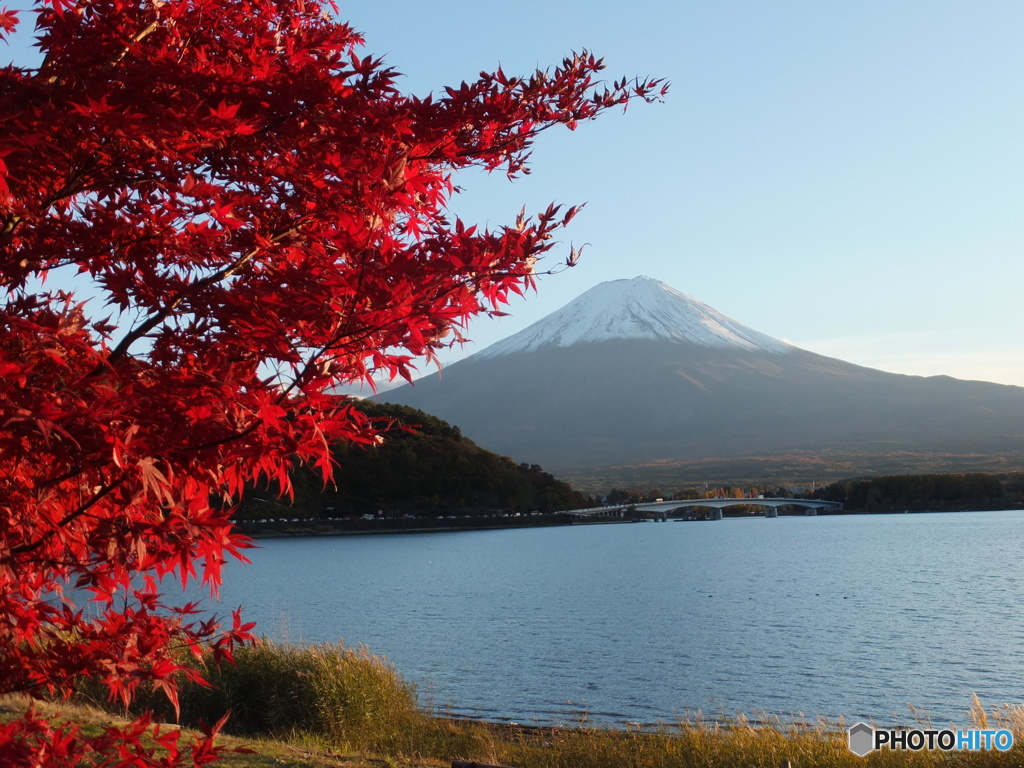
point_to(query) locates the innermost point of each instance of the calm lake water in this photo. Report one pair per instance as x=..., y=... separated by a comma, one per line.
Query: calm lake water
x=850, y=615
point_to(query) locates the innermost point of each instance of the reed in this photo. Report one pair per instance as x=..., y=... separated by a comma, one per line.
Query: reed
x=347, y=696
x=742, y=743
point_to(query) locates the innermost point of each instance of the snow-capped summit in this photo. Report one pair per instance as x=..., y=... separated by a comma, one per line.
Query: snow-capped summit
x=641, y=308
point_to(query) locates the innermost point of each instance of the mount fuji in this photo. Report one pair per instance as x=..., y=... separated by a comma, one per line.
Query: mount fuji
x=642, y=308
x=634, y=381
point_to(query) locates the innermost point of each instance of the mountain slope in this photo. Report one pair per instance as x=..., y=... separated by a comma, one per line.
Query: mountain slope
x=648, y=375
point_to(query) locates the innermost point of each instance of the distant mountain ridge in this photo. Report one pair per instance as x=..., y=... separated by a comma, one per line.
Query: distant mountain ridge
x=633, y=374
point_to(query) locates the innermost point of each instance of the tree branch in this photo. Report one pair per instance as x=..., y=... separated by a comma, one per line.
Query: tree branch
x=104, y=491
x=138, y=38
x=142, y=35
x=162, y=314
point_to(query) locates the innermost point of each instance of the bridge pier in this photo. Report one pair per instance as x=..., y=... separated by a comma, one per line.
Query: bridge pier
x=772, y=512
x=716, y=514
x=811, y=512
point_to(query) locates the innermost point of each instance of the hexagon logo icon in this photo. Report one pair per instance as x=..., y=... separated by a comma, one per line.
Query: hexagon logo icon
x=862, y=739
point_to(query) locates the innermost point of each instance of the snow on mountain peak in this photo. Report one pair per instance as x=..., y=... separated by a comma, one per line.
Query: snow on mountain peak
x=641, y=308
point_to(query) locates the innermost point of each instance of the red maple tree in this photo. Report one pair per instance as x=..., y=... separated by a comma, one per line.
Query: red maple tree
x=263, y=215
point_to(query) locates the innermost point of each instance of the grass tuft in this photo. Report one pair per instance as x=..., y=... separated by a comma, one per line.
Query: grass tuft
x=346, y=696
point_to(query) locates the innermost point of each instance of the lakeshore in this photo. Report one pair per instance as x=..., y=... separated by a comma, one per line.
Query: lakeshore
x=357, y=526
x=287, y=527
x=415, y=739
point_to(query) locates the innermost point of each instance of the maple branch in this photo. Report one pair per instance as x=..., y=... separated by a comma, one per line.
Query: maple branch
x=528, y=136
x=72, y=186
x=104, y=491
x=350, y=335
x=57, y=479
x=10, y=224
x=233, y=437
x=307, y=367
x=139, y=37
x=342, y=333
x=162, y=314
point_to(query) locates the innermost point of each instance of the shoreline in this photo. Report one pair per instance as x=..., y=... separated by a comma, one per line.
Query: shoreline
x=296, y=527
x=439, y=741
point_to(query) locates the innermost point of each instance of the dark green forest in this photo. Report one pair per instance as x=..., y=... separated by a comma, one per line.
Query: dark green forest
x=891, y=493
x=917, y=493
x=424, y=467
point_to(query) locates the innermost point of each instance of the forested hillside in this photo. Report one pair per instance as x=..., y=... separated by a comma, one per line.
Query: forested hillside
x=937, y=492
x=424, y=467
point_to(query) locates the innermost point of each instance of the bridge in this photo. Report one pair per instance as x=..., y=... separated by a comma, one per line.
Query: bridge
x=662, y=508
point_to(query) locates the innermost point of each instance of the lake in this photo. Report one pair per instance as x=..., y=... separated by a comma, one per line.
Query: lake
x=852, y=615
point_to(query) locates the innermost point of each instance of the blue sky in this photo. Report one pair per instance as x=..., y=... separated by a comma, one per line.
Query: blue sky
x=846, y=176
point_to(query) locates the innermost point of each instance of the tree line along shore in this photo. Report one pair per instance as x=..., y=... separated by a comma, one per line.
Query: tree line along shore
x=428, y=476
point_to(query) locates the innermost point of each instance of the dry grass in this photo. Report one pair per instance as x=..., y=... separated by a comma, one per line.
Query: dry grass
x=328, y=706
x=240, y=752
x=744, y=744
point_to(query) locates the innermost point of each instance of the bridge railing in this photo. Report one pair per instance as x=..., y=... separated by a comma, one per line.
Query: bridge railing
x=718, y=502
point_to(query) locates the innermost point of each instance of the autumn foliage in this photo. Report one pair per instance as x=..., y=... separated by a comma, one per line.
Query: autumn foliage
x=256, y=215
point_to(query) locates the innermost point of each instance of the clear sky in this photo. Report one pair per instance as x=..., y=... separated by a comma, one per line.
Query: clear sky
x=845, y=176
